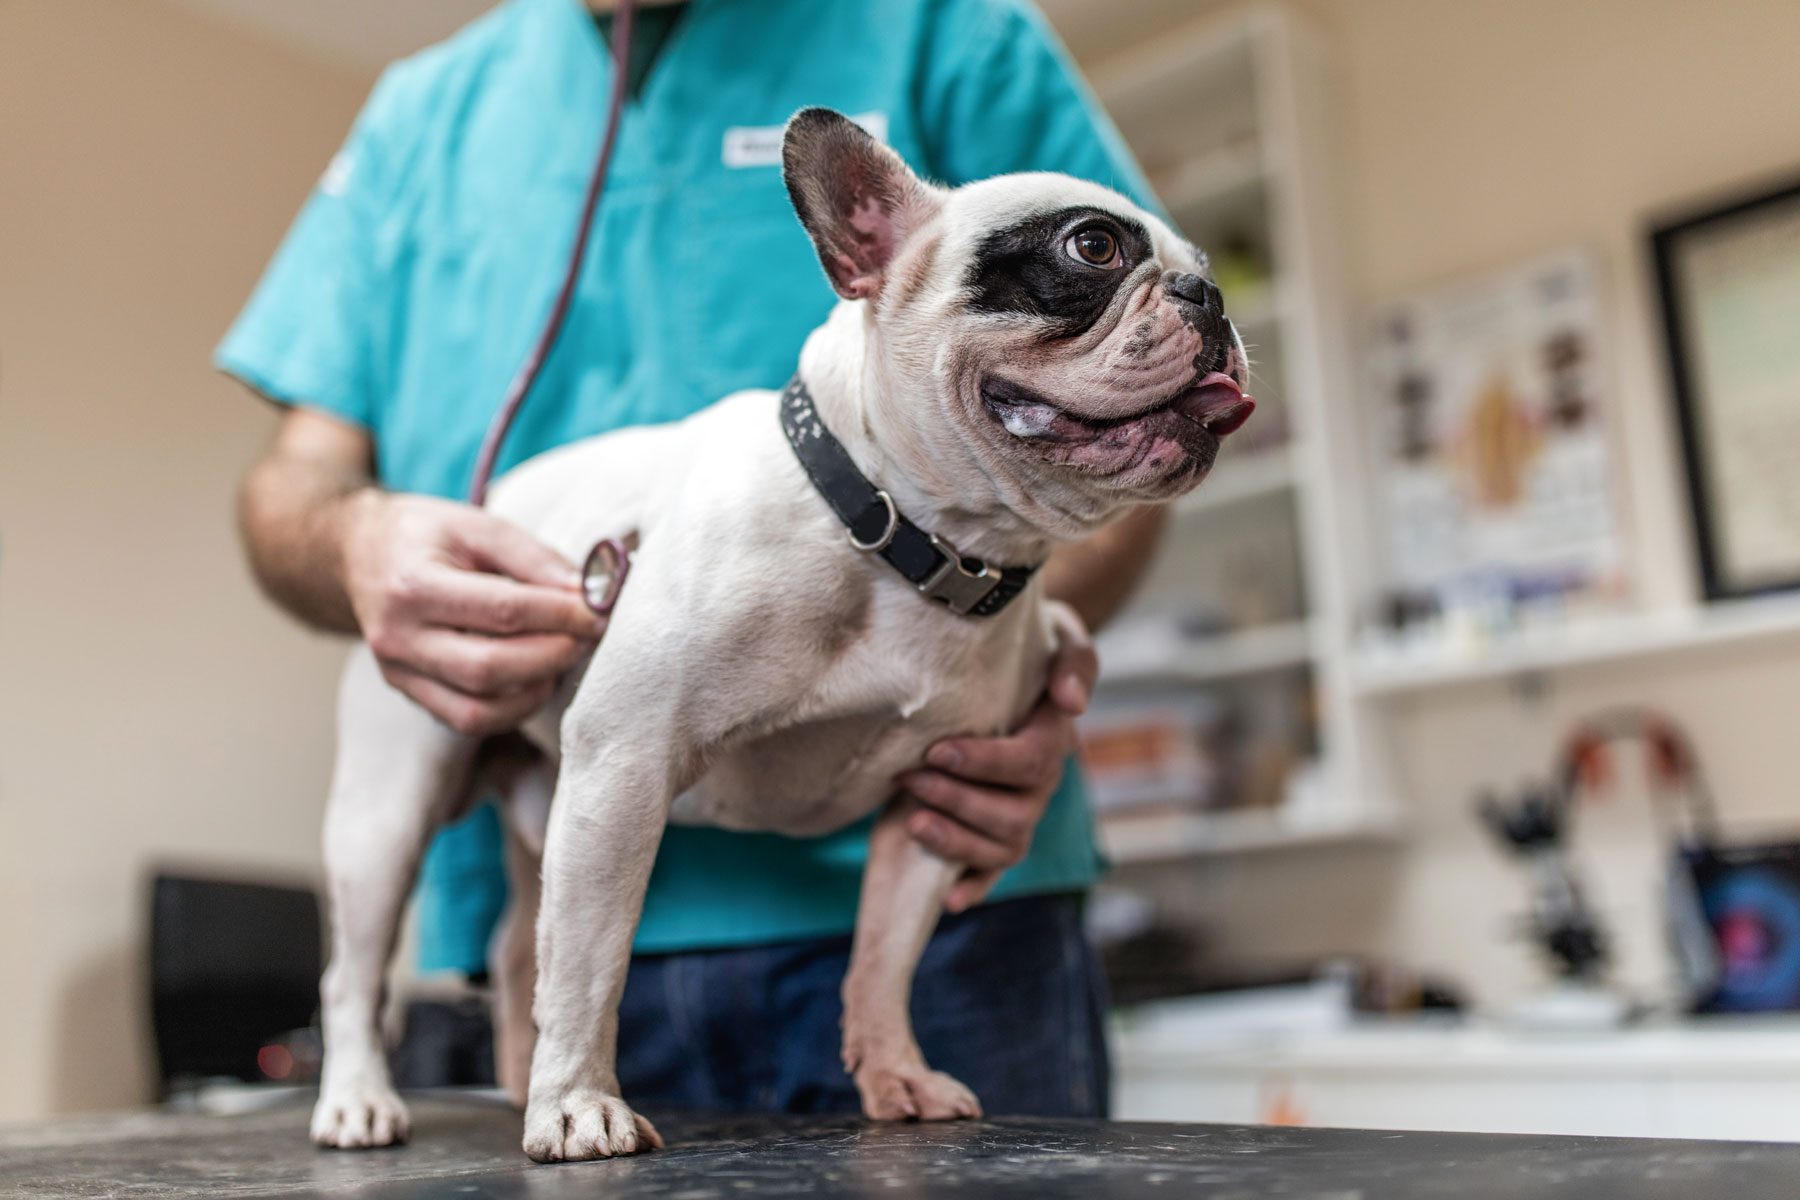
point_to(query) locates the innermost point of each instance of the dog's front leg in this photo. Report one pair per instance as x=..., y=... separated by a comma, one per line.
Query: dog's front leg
x=399, y=774
x=612, y=801
x=903, y=890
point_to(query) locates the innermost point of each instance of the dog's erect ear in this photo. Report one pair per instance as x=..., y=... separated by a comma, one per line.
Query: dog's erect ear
x=856, y=197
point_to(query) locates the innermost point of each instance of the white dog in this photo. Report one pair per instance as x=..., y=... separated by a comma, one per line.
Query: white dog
x=810, y=606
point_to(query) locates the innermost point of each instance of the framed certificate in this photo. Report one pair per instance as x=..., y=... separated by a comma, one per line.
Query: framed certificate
x=1729, y=281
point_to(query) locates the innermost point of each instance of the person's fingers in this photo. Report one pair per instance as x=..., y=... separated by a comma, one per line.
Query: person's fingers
x=485, y=666
x=1072, y=675
x=971, y=890
x=495, y=544
x=952, y=840
x=472, y=715
x=492, y=604
x=1004, y=817
x=1025, y=759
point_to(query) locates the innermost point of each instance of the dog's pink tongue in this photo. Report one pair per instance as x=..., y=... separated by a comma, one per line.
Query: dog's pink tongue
x=1217, y=404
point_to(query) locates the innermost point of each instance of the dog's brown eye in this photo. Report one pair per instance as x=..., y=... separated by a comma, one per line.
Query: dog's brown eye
x=1095, y=247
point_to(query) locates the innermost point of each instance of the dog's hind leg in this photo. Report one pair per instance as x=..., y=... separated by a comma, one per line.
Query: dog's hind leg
x=399, y=775
x=527, y=784
x=903, y=891
x=514, y=961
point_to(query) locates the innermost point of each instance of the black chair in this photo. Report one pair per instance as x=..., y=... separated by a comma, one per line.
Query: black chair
x=233, y=967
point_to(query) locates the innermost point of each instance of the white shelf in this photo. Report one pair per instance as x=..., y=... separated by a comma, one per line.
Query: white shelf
x=1154, y=91
x=1255, y=310
x=1165, y=69
x=1580, y=643
x=1177, y=836
x=1249, y=476
x=1139, y=661
x=1258, y=308
x=1214, y=174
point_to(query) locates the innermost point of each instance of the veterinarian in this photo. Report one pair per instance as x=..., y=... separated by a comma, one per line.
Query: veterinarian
x=387, y=327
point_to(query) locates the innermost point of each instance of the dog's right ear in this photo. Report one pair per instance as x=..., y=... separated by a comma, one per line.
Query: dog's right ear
x=856, y=197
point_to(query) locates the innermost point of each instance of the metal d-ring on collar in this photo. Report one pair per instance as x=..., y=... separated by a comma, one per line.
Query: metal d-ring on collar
x=875, y=525
x=887, y=532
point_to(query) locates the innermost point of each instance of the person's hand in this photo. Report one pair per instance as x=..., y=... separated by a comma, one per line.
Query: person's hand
x=466, y=613
x=981, y=798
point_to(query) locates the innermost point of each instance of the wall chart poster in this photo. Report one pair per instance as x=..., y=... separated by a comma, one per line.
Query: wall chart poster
x=1493, y=461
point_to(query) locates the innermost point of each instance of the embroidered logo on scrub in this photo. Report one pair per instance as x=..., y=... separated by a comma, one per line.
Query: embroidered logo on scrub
x=336, y=179
x=760, y=145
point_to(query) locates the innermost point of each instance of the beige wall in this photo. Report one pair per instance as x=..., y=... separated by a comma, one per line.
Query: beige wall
x=1474, y=135
x=152, y=708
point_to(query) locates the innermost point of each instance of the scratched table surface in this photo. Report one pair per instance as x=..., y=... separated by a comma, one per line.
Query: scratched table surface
x=468, y=1147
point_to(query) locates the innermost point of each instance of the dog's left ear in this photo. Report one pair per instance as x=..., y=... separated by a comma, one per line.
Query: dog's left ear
x=856, y=197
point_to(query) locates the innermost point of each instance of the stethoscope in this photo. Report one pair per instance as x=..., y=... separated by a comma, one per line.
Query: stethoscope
x=603, y=573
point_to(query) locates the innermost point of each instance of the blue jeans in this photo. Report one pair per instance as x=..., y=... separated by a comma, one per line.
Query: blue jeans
x=1008, y=998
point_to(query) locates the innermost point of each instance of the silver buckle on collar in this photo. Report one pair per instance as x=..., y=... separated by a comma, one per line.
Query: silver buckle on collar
x=956, y=585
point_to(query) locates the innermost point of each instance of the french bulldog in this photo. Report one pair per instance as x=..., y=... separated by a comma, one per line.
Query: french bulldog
x=1013, y=363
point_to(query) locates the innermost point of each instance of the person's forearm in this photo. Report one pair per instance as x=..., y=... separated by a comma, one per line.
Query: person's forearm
x=1097, y=576
x=292, y=510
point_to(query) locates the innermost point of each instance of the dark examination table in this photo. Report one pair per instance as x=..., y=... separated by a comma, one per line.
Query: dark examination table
x=467, y=1148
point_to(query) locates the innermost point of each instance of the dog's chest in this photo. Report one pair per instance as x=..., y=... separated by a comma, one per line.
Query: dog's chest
x=917, y=675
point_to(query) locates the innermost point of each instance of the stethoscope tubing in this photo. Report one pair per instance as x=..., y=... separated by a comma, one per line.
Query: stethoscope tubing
x=603, y=573
x=533, y=365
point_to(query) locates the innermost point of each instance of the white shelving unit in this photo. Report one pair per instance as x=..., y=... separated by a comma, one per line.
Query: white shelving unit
x=1209, y=659
x=1228, y=114
x=1169, y=838
x=1576, y=644
x=1220, y=173
x=1249, y=477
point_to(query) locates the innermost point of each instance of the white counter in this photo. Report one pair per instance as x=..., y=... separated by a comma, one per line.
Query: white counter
x=1735, y=1079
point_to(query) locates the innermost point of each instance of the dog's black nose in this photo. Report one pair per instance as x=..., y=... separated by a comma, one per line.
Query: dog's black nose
x=1197, y=289
x=1207, y=315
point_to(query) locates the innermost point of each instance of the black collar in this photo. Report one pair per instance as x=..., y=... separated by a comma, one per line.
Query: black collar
x=930, y=563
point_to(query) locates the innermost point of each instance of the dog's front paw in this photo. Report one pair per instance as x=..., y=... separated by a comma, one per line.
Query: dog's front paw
x=913, y=1092
x=359, y=1117
x=584, y=1124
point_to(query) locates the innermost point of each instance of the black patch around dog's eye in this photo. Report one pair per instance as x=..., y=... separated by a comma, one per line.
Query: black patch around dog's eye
x=1024, y=268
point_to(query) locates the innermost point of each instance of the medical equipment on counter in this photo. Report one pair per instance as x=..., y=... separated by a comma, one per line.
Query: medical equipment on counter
x=1536, y=826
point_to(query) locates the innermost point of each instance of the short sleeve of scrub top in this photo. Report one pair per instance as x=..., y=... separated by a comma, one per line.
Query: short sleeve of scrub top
x=313, y=332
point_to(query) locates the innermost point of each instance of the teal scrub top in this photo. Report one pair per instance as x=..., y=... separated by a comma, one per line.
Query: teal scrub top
x=422, y=267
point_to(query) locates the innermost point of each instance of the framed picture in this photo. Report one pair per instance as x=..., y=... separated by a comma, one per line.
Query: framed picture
x=1729, y=280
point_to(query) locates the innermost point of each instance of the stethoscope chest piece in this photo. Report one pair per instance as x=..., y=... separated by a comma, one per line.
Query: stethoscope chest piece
x=603, y=574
